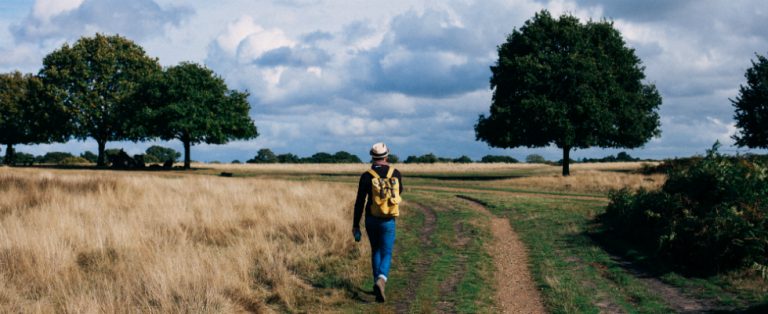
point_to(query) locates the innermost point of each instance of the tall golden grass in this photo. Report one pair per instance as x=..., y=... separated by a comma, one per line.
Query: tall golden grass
x=589, y=181
x=101, y=242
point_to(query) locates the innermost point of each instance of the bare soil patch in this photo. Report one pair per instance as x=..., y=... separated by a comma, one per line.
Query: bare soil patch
x=515, y=289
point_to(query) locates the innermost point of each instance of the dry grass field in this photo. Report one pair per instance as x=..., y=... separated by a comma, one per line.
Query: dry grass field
x=588, y=181
x=448, y=168
x=596, y=178
x=88, y=241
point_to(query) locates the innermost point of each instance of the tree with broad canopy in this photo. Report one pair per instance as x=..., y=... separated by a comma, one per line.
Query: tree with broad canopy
x=574, y=85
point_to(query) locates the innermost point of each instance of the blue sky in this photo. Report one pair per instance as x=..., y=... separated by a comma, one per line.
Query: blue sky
x=330, y=75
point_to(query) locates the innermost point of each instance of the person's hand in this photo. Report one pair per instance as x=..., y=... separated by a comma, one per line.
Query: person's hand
x=356, y=233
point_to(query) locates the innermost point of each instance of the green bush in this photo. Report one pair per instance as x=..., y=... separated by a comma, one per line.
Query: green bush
x=464, y=159
x=495, y=158
x=535, y=159
x=55, y=157
x=711, y=215
x=73, y=160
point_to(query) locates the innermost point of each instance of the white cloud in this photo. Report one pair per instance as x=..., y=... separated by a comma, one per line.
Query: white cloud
x=45, y=9
x=333, y=74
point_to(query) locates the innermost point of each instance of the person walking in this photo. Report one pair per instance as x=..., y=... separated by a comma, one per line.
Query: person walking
x=378, y=195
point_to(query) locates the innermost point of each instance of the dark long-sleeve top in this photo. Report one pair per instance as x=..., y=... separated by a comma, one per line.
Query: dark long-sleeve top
x=364, y=191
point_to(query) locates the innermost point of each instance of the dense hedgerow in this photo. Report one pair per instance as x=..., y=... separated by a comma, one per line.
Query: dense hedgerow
x=708, y=217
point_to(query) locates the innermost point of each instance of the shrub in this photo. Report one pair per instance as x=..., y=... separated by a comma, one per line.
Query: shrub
x=263, y=156
x=74, y=161
x=494, y=158
x=345, y=157
x=90, y=156
x=710, y=215
x=55, y=157
x=463, y=160
x=425, y=159
x=535, y=159
x=160, y=154
x=288, y=158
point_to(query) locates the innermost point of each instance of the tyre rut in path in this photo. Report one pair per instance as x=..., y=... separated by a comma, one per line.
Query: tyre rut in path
x=425, y=240
x=514, y=286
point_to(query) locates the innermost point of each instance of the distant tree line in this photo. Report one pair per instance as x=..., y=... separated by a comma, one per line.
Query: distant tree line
x=153, y=154
x=106, y=88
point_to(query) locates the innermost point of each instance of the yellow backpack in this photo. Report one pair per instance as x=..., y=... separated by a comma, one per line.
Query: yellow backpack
x=386, y=195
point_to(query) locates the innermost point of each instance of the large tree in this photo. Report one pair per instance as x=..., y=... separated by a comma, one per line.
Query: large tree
x=574, y=85
x=95, y=79
x=752, y=107
x=190, y=103
x=27, y=115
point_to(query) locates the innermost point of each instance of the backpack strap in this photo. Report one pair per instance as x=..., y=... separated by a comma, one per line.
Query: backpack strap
x=390, y=172
x=374, y=174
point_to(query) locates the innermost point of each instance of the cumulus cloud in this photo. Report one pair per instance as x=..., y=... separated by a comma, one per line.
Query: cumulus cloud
x=332, y=74
x=68, y=19
x=50, y=23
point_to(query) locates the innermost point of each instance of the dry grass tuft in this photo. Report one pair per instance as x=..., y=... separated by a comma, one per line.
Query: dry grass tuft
x=100, y=242
x=589, y=181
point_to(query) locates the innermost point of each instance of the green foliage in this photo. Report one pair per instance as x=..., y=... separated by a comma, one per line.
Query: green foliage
x=288, y=158
x=463, y=160
x=74, y=160
x=95, y=80
x=236, y=161
x=499, y=159
x=709, y=216
x=752, y=107
x=157, y=153
x=535, y=159
x=112, y=151
x=558, y=81
x=55, y=157
x=26, y=114
x=424, y=159
x=620, y=157
x=393, y=159
x=24, y=159
x=345, y=157
x=90, y=156
x=319, y=158
x=190, y=103
x=264, y=156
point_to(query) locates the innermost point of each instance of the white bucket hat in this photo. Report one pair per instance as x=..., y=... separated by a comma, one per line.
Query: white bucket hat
x=379, y=151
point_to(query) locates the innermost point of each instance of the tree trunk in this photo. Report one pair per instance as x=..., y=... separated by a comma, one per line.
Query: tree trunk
x=187, y=145
x=566, y=160
x=101, y=161
x=9, y=155
x=186, y=154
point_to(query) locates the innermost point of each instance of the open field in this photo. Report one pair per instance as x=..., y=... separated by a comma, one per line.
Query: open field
x=83, y=242
x=275, y=238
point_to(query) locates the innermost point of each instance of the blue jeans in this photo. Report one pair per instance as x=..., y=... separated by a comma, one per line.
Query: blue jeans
x=381, y=233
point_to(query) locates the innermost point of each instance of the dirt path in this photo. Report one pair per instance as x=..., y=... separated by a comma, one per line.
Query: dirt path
x=515, y=289
x=425, y=238
x=672, y=296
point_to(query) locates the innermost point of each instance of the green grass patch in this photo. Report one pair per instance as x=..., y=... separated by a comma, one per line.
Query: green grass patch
x=437, y=275
x=574, y=274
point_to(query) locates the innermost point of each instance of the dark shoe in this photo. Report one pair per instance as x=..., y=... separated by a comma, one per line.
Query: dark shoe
x=378, y=289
